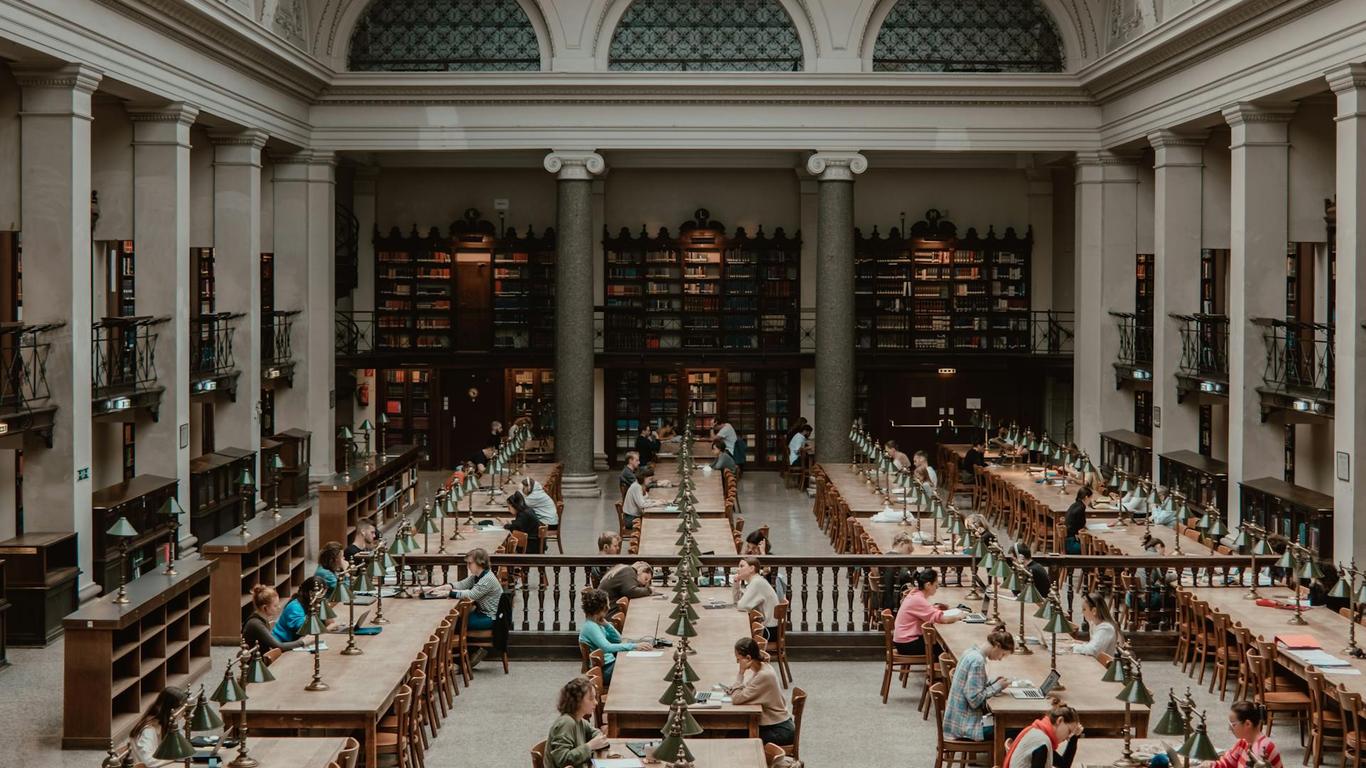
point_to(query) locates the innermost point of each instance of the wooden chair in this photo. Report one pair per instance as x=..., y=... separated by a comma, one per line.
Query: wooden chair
x=538, y=755
x=554, y=531
x=954, y=750
x=896, y=662
x=596, y=659
x=1267, y=692
x=584, y=653
x=596, y=675
x=350, y=752
x=1325, y=719
x=798, y=707
x=431, y=694
x=979, y=488
x=1353, y=727
x=271, y=655
x=931, y=671
x=772, y=752
x=1227, y=654
x=396, y=742
x=779, y=653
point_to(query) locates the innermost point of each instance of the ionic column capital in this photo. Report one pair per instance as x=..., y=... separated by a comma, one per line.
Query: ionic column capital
x=836, y=166
x=580, y=165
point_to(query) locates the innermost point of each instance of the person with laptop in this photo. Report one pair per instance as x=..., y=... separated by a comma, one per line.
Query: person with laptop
x=1049, y=742
x=637, y=499
x=1037, y=571
x=757, y=682
x=480, y=587
x=598, y=633
x=289, y=626
x=330, y=563
x=965, y=709
x=363, y=540
x=916, y=611
x=1245, y=719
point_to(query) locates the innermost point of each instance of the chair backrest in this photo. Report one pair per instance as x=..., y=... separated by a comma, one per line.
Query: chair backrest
x=584, y=652
x=1352, y=718
x=1258, y=671
x=1318, y=698
x=798, y=707
x=772, y=752
x=538, y=755
x=931, y=637
x=272, y=655
x=349, y=754
x=596, y=659
x=938, y=695
x=518, y=539
x=541, y=532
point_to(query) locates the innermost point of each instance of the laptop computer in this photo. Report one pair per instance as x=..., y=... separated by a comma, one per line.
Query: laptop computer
x=342, y=627
x=971, y=616
x=1041, y=692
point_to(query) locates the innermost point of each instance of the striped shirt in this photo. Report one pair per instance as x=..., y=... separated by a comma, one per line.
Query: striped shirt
x=483, y=589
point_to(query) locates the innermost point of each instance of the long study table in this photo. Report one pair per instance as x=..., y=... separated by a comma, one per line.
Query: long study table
x=1093, y=699
x=293, y=752
x=361, y=688
x=659, y=534
x=710, y=753
x=709, y=488
x=638, y=681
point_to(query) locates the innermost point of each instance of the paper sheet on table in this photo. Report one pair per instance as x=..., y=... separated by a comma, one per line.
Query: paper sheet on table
x=1097, y=526
x=1340, y=670
x=1316, y=658
x=618, y=762
x=309, y=648
x=645, y=654
x=387, y=591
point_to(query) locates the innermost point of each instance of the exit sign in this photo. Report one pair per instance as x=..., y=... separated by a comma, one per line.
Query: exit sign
x=83, y=473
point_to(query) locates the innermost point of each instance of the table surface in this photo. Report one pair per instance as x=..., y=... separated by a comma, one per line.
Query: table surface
x=862, y=498
x=484, y=507
x=363, y=684
x=1019, y=477
x=294, y=752
x=471, y=537
x=709, y=488
x=710, y=753
x=1102, y=753
x=638, y=682
x=1129, y=540
x=659, y=534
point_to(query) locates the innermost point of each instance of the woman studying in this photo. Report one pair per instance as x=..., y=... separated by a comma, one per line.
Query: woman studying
x=148, y=732
x=916, y=611
x=965, y=709
x=257, y=631
x=1049, y=742
x=757, y=682
x=289, y=626
x=598, y=634
x=573, y=739
x=1104, y=631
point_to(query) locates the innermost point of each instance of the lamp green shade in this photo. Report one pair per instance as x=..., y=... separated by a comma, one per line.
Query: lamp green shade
x=366, y=426
x=229, y=691
x=1172, y=723
x=122, y=528
x=313, y=625
x=204, y=717
x=174, y=746
x=257, y=671
x=344, y=432
x=1135, y=692
x=1114, y=673
x=171, y=506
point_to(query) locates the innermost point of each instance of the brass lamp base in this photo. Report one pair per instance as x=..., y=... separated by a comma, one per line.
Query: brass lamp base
x=317, y=685
x=244, y=761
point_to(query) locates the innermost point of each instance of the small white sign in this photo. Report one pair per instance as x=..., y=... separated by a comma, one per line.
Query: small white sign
x=917, y=402
x=973, y=404
x=501, y=204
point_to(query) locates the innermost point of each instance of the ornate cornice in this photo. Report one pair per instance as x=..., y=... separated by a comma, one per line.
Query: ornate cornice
x=836, y=166
x=79, y=77
x=175, y=112
x=1346, y=78
x=1245, y=113
x=574, y=165
x=249, y=137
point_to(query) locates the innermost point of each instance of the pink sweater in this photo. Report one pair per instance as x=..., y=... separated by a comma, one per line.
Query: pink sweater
x=915, y=612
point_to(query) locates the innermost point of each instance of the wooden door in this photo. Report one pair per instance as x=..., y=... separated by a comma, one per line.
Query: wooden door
x=470, y=400
x=473, y=301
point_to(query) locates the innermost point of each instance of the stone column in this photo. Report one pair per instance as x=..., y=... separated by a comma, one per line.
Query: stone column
x=54, y=184
x=1260, y=224
x=237, y=272
x=1177, y=227
x=574, y=398
x=1349, y=422
x=305, y=279
x=1106, y=247
x=161, y=237
x=834, y=172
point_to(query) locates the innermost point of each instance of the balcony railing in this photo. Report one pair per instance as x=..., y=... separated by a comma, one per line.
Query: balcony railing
x=1051, y=332
x=1134, y=358
x=355, y=333
x=123, y=364
x=24, y=392
x=1299, y=361
x=277, y=347
x=213, y=368
x=1204, y=354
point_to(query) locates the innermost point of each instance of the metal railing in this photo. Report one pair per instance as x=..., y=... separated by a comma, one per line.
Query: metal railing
x=1051, y=331
x=23, y=361
x=1299, y=357
x=211, y=344
x=277, y=346
x=1135, y=340
x=355, y=332
x=1204, y=345
x=123, y=354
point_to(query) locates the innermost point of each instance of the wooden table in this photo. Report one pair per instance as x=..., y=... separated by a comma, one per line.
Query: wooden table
x=638, y=682
x=362, y=687
x=863, y=499
x=484, y=506
x=1103, y=753
x=709, y=490
x=709, y=753
x=1129, y=540
x=658, y=534
x=1093, y=699
x=274, y=751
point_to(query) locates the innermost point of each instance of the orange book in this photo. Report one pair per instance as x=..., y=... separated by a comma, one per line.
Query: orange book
x=1298, y=641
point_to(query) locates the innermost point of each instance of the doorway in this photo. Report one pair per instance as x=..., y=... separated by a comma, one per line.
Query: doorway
x=470, y=400
x=474, y=300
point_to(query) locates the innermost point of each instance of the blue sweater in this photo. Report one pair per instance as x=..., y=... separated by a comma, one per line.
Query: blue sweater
x=290, y=622
x=329, y=578
x=605, y=638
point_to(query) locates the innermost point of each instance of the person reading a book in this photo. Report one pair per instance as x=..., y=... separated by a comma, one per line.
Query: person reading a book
x=330, y=563
x=1245, y=720
x=756, y=682
x=573, y=739
x=256, y=631
x=1104, y=632
x=152, y=727
x=600, y=635
x=637, y=498
x=525, y=521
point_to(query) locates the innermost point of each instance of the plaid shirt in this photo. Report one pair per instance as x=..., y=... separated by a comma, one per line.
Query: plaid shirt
x=968, y=694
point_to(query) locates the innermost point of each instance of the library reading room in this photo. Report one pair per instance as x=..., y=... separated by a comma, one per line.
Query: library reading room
x=875, y=383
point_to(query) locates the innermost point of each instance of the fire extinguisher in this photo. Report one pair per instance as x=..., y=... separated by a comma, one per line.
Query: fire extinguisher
x=363, y=394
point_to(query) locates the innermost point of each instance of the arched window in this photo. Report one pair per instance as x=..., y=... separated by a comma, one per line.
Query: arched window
x=444, y=36
x=706, y=36
x=968, y=36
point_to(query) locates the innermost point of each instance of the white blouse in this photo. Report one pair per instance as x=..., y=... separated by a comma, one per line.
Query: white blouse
x=1103, y=637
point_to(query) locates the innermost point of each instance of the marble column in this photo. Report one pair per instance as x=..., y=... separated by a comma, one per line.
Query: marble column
x=1259, y=224
x=161, y=236
x=834, y=172
x=574, y=414
x=237, y=272
x=1106, y=248
x=1349, y=422
x=305, y=279
x=54, y=184
x=1177, y=228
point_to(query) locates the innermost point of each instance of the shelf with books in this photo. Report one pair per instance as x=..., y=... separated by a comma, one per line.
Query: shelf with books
x=524, y=291
x=742, y=405
x=932, y=290
x=704, y=397
x=625, y=414
x=405, y=396
x=1297, y=513
x=396, y=299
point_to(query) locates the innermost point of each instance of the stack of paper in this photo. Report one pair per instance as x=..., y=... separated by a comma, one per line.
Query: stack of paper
x=1317, y=658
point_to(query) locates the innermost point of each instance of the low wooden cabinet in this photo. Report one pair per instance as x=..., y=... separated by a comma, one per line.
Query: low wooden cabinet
x=1300, y=514
x=140, y=500
x=42, y=572
x=1127, y=450
x=119, y=657
x=266, y=480
x=218, y=499
x=1202, y=479
x=4, y=611
x=295, y=451
x=374, y=491
x=272, y=554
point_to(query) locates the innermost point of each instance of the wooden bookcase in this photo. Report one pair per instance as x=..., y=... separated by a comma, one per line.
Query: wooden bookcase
x=42, y=583
x=1297, y=513
x=406, y=396
x=701, y=291
x=139, y=500
x=933, y=291
x=119, y=657
x=524, y=291
x=374, y=491
x=266, y=479
x=296, y=449
x=217, y=498
x=1203, y=480
x=1127, y=450
x=272, y=554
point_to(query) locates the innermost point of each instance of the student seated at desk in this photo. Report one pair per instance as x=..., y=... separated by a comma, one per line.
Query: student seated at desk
x=540, y=502
x=637, y=498
x=151, y=728
x=573, y=739
x=482, y=587
x=598, y=633
x=266, y=604
x=966, y=704
x=916, y=611
x=922, y=461
x=1038, y=744
x=1104, y=631
x=1245, y=720
x=753, y=592
x=609, y=543
x=525, y=521
x=362, y=541
x=796, y=444
x=647, y=445
x=330, y=563
x=898, y=457
x=974, y=457
x=757, y=682
x=1037, y=571
x=723, y=459
x=1075, y=520
x=289, y=626
x=627, y=478
x=630, y=581
x=895, y=581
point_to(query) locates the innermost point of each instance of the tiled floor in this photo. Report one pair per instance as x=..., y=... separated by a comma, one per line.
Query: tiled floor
x=498, y=718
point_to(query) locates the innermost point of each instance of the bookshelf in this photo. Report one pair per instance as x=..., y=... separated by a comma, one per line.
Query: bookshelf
x=777, y=418
x=1203, y=480
x=1126, y=450
x=933, y=291
x=296, y=451
x=272, y=554
x=1297, y=513
x=524, y=291
x=703, y=397
x=626, y=413
x=375, y=490
x=42, y=569
x=118, y=658
x=531, y=394
x=405, y=395
x=138, y=499
x=701, y=291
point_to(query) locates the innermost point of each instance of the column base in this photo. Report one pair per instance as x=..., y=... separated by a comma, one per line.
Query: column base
x=600, y=462
x=187, y=546
x=88, y=592
x=580, y=486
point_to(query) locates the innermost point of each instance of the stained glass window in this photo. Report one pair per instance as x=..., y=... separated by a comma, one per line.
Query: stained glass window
x=706, y=36
x=968, y=36
x=444, y=36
